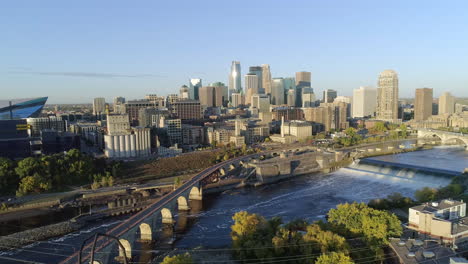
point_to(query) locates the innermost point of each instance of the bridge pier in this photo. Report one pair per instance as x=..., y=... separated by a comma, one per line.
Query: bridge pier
x=196, y=194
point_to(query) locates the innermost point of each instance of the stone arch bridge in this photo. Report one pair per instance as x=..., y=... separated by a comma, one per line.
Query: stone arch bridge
x=142, y=228
x=445, y=136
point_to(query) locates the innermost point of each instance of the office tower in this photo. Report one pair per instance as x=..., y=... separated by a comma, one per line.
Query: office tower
x=258, y=70
x=277, y=91
x=194, y=87
x=423, y=104
x=236, y=99
x=288, y=113
x=184, y=92
x=329, y=95
x=308, y=97
x=149, y=117
x=266, y=75
x=118, y=104
x=187, y=110
x=291, y=97
x=251, y=86
x=329, y=115
x=261, y=102
x=211, y=96
x=303, y=80
x=99, y=106
x=446, y=104
x=387, y=96
x=364, y=102
x=132, y=108
x=174, y=130
x=117, y=124
x=235, y=76
x=224, y=89
x=38, y=124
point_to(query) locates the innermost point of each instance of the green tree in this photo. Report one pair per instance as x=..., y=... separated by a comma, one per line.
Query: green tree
x=380, y=127
x=334, y=258
x=8, y=179
x=360, y=220
x=324, y=241
x=28, y=167
x=178, y=259
x=425, y=194
x=177, y=182
x=33, y=184
x=404, y=130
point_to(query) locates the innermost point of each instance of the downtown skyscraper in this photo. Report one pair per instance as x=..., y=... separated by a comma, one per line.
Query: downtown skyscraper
x=266, y=75
x=303, y=80
x=364, y=102
x=446, y=104
x=423, y=104
x=235, y=85
x=387, y=96
x=195, y=85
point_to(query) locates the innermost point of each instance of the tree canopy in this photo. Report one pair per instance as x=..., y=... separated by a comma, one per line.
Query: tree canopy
x=178, y=259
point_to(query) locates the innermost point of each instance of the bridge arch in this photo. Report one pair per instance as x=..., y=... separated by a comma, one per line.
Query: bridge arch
x=195, y=193
x=166, y=216
x=457, y=139
x=182, y=203
x=146, y=233
x=127, y=248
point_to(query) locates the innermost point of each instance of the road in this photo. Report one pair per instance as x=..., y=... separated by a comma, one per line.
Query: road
x=138, y=218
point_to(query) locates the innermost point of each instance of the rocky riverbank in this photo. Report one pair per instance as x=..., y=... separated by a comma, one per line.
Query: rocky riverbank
x=37, y=234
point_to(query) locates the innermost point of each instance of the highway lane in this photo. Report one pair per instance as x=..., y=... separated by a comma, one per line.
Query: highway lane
x=138, y=218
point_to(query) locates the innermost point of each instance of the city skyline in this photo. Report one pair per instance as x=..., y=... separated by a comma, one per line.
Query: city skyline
x=142, y=50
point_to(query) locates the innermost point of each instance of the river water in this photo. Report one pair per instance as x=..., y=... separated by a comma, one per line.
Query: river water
x=308, y=197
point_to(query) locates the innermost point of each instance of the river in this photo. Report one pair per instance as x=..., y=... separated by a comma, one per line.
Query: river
x=308, y=197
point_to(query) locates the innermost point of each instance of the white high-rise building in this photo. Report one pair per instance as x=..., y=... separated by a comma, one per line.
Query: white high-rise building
x=446, y=104
x=308, y=97
x=251, y=86
x=236, y=99
x=277, y=91
x=364, y=101
x=261, y=102
x=291, y=97
x=387, y=96
x=266, y=75
x=99, y=106
x=184, y=92
x=194, y=87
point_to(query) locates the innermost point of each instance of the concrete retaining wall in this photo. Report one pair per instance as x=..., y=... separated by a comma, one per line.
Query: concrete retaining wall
x=41, y=233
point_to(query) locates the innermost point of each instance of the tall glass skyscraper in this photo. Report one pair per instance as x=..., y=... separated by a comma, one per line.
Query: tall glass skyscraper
x=195, y=85
x=277, y=91
x=258, y=70
x=235, y=84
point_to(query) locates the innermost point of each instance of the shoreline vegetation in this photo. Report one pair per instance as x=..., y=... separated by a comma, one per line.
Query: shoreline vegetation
x=353, y=232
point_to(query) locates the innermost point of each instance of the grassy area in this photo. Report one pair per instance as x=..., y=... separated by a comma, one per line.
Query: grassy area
x=168, y=167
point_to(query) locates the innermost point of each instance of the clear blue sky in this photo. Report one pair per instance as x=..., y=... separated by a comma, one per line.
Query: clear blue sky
x=73, y=51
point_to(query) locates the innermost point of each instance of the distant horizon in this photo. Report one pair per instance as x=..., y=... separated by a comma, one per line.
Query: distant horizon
x=74, y=52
